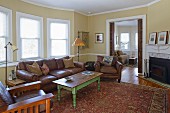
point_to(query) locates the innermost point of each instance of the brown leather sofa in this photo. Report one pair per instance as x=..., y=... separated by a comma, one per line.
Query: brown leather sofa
x=109, y=71
x=122, y=57
x=57, y=70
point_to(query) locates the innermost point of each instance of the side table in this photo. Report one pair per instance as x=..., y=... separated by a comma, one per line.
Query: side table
x=132, y=61
x=15, y=82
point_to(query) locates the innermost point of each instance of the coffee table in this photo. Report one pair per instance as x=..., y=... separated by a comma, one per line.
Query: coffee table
x=77, y=82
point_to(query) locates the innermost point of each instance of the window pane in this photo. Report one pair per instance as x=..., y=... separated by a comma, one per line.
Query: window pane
x=2, y=49
x=29, y=48
x=58, y=30
x=3, y=24
x=136, y=41
x=29, y=28
x=58, y=47
x=124, y=40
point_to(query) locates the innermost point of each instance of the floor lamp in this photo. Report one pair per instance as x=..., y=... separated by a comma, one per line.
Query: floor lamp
x=14, y=48
x=79, y=43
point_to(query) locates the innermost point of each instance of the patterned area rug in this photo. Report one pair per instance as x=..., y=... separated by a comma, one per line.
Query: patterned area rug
x=114, y=98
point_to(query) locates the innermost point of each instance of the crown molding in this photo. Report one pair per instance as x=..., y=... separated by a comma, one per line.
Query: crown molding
x=105, y=12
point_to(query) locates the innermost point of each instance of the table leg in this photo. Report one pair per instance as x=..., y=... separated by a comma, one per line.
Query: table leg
x=98, y=84
x=59, y=92
x=74, y=97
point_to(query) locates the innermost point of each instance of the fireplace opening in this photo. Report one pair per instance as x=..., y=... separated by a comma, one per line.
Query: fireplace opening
x=159, y=69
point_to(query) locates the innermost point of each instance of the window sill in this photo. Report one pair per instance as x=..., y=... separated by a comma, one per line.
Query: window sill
x=10, y=64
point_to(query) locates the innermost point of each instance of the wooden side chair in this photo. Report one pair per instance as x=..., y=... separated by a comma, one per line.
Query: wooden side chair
x=25, y=98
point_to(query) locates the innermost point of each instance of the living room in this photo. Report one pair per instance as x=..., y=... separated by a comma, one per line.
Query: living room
x=155, y=16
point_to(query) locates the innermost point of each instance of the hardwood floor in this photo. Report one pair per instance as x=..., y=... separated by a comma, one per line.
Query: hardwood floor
x=129, y=75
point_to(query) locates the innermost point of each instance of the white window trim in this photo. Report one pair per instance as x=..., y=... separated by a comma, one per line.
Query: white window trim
x=9, y=30
x=50, y=20
x=41, y=49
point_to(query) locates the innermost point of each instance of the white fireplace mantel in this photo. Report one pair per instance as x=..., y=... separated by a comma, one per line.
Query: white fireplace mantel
x=159, y=51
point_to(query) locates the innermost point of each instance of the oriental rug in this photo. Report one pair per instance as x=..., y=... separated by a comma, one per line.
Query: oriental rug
x=114, y=98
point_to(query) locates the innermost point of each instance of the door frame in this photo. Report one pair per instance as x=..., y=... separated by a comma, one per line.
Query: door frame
x=108, y=21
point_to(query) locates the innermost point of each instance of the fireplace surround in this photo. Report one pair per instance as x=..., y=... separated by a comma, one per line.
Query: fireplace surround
x=159, y=69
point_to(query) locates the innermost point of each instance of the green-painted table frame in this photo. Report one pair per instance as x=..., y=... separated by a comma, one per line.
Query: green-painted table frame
x=76, y=88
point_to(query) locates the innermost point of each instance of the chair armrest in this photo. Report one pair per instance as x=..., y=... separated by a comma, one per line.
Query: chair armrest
x=29, y=103
x=26, y=76
x=79, y=64
x=119, y=67
x=97, y=66
x=24, y=87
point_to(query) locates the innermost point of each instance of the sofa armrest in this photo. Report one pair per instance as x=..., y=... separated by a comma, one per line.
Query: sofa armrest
x=27, y=76
x=80, y=65
x=29, y=103
x=97, y=66
x=24, y=87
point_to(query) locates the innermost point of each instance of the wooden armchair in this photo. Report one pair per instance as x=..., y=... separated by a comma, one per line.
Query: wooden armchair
x=26, y=98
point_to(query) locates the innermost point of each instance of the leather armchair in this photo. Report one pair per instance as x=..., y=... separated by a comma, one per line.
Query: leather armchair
x=112, y=71
x=27, y=98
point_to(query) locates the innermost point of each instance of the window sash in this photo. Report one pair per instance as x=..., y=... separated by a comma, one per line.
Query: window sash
x=50, y=38
x=38, y=37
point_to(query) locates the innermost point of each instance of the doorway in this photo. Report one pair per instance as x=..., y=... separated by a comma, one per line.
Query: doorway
x=112, y=42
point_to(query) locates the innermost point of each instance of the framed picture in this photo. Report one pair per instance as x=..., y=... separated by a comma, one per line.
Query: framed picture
x=162, y=37
x=99, y=38
x=152, y=38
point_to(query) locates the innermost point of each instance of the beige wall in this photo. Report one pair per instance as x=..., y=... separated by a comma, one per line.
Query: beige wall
x=19, y=6
x=159, y=17
x=80, y=24
x=97, y=24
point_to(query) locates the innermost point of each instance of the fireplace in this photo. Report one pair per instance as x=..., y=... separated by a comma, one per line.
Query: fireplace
x=159, y=69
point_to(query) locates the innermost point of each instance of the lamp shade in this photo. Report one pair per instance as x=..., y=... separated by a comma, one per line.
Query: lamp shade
x=78, y=42
x=14, y=48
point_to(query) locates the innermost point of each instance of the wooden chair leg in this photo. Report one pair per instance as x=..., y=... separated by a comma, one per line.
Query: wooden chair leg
x=118, y=80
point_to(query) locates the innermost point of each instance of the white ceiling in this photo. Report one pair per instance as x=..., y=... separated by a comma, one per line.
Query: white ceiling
x=92, y=6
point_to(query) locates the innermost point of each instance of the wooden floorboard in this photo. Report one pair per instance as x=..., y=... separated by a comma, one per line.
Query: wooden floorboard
x=130, y=75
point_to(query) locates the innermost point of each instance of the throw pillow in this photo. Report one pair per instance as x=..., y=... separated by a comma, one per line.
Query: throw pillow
x=45, y=70
x=68, y=63
x=34, y=68
x=107, y=60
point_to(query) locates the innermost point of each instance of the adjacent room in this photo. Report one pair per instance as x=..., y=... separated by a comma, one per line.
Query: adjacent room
x=62, y=56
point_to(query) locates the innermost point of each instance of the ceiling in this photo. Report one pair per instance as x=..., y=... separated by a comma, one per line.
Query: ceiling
x=92, y=7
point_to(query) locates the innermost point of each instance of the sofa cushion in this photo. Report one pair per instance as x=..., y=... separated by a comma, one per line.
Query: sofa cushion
x=100, y=58
x=34, y=68
x=68, y=63
x=108, y=69
x=44, y=68
x=108, y=60
x=51, y=63
x=75, y=70
x=60, y=63
x=60, y=73
x=46, y=79
x=5, y=96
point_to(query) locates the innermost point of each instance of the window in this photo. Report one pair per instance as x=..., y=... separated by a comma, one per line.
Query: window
x=136, y=41
x=58, y=41
x=124, y=41
x=29, y=36
x=5, y=32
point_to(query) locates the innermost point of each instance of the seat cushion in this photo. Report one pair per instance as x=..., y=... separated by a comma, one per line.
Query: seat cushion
x=5, y=96
x=75, y=70
x=28, y=95
x=108, y=69
x=46, y=79
x=60, y=73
